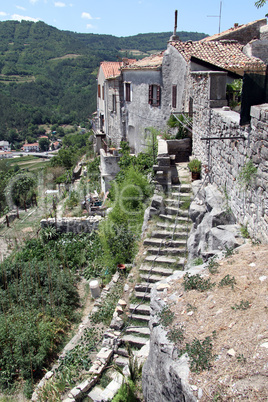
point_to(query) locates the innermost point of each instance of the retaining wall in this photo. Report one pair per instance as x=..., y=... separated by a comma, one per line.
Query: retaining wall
x=72, y=225
x=223, y=159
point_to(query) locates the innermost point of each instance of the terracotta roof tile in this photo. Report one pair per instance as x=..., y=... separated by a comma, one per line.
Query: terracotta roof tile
x=111, y=69
x=227, y=55
x=147, y=63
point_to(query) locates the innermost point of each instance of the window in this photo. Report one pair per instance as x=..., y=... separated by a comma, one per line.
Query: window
x=103, y=92
x=174, y=96
x=127, y=91
x=99, y=91
x=114, y=103
x=154, y=95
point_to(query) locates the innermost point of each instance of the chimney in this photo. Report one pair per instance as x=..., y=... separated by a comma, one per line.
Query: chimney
x=174, y=37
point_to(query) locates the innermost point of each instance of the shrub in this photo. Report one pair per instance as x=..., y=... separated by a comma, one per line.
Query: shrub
x=196, y=282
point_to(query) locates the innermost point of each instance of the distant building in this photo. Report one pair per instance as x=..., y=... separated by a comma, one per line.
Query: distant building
x=4, y=146
x=34, y=147
x=5, y=154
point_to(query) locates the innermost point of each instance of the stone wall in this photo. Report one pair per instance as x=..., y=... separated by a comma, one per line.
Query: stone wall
x=223, y=159
x=73, y=225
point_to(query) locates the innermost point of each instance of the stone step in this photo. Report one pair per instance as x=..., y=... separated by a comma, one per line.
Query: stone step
x=165, y=234
x=143, y=287
x=173, y=201
x=163, y=242
x=140, y=309
x=95, y=394
x=170, y=251
x=165, y=260
x=172, y=217
x=157, y=270
x=121, y=361
x=182, y=188
x=177, y=195
x=176, y=211
x=171, y=226
x=140, y=317
x=143, y=295
x=136, y=341
x=138, y=330
x=152, y=278
x=122, y=352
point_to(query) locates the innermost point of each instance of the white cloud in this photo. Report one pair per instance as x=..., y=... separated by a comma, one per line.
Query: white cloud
x=87, y=16
x=89, y=26
x=33, y=1
x=21, y=8
x=18, y=17
x=3, y=14
x=59, y=4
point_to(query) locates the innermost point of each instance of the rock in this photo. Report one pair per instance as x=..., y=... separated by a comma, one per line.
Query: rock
x=262, y=278
x=231, y=352
x=122, y=303
x=264, y=345
x=164, y=376
x=197, y=212
x=163, y=286
x=126, y=287
x=157, y=204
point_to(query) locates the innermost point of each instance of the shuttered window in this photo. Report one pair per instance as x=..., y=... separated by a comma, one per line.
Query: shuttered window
x=114, y=103
x=174, y=96
x=154, y=95
x=103, y=92
x=127, y=91
x=99, y=91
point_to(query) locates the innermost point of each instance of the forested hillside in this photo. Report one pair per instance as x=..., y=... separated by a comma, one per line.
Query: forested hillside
x=49, y=76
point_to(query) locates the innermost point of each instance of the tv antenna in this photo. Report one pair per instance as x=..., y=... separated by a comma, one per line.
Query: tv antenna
x=218, y=16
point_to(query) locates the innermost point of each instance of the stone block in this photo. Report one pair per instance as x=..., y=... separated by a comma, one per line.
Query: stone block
x=105, y=353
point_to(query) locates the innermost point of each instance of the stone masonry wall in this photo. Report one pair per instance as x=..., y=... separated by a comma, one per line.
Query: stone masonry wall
x=223, y=159
x=73, y=225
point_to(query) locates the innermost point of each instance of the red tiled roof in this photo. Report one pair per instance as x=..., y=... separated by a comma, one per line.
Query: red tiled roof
x=227, y=55
x=34, y=144
x=147, y=63
x=111, y=69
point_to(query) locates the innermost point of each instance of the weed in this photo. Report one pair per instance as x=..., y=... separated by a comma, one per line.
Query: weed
x=198, y=261
x=196, y=282
x=244, y=232
x=190, y=307
x=176, y=334
x=241, y=358
x=227, y=280
x=105, y=380
x=213, y=265
x=228, y=252
x=200, y=354
x=244, y=305
x=166, y=316
x=185, y=204
x=247, y=174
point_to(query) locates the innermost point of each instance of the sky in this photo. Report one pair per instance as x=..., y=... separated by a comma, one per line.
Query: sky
x=130, y=17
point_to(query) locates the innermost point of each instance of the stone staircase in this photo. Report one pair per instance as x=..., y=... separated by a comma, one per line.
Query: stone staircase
x=165, y=251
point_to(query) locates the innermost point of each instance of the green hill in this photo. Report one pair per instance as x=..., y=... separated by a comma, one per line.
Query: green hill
x=49, y=76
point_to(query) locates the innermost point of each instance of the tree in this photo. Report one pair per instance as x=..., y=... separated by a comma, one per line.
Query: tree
x=44, y=144
x=260, y=3
x=22, y=190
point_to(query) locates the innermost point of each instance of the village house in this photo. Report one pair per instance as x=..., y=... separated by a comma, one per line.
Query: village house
x=4, y=146
x=134, y=96
x=34, y=147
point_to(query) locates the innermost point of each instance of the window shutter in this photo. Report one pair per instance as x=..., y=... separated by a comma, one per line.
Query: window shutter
x=158, y=95
x=150, y=94
x=174, y=96
x=99, y=91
